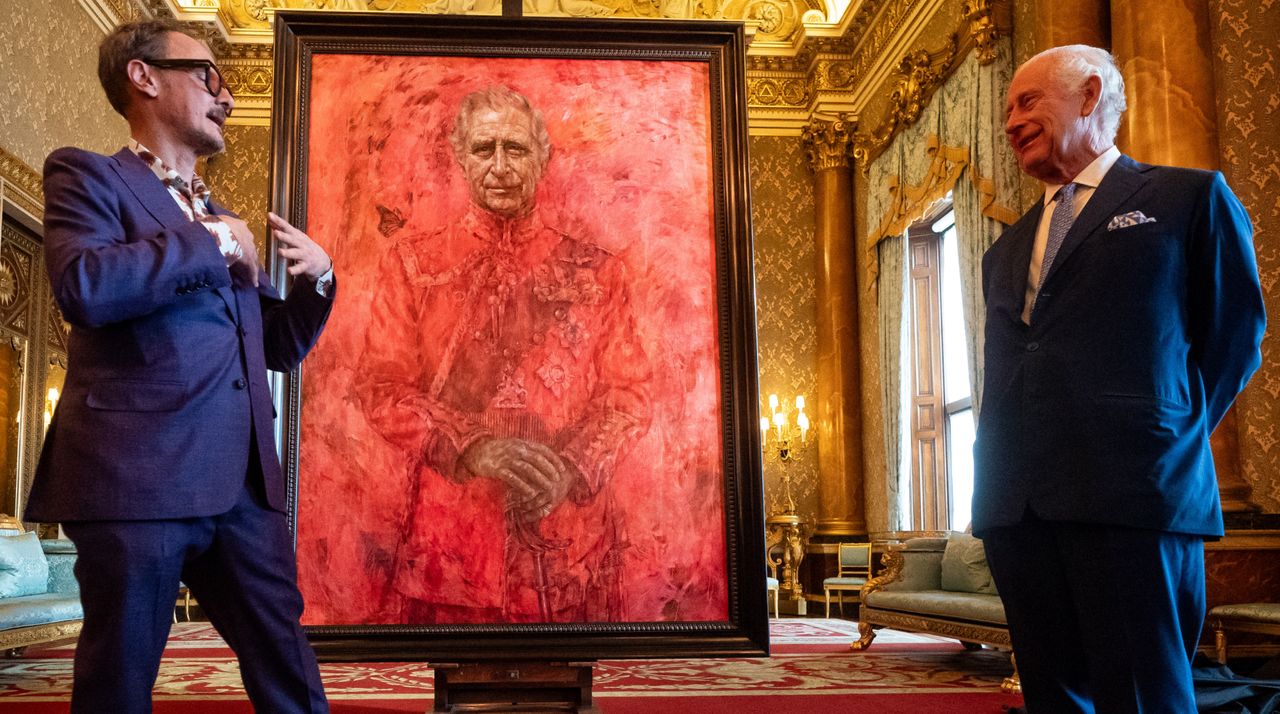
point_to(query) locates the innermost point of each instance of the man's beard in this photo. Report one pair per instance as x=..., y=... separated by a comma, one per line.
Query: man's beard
x=203, y=142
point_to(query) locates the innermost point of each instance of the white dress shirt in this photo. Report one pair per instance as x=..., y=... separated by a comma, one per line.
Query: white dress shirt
x=1086, y=182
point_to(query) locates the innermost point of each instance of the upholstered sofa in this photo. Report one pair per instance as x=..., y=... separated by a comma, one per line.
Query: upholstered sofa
x=39, y=596
x=940, y=586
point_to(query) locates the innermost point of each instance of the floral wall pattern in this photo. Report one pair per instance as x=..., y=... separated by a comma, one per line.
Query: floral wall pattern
x=50, y=92
x=1246, y=64
x=782, y=214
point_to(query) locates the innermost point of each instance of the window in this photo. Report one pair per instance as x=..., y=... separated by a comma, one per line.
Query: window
x=940, y=397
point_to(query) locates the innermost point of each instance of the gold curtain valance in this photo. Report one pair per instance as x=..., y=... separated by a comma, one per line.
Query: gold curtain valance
x=910, y=203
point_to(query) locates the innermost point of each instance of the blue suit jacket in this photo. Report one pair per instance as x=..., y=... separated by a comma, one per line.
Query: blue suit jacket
x=167, y=359
x=1100, y=410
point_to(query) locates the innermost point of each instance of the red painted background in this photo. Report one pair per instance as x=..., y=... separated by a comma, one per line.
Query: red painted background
x=631, y=168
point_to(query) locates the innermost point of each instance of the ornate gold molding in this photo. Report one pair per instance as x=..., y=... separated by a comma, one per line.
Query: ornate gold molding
x=22, y=184
x=37, y=634
x=983, y=30
x=827, y=143
x=778, y=22
x=919, y=76
x=982, y=24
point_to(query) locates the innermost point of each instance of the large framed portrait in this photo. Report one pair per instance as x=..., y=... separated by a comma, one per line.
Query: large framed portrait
x=529, y=429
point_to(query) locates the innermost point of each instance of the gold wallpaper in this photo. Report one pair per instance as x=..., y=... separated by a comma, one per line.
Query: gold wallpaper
x=238, y=178
x=1246, y=69
x=786, y=300
x=50, y=92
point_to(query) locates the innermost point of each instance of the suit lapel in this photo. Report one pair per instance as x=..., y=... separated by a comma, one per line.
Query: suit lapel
x=155, y=197
x=148, y=188
x=228, y=293
x=1122, y=181
x=1023, y=235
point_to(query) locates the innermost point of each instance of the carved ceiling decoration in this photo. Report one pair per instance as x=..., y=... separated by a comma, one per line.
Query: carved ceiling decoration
x=807, y=58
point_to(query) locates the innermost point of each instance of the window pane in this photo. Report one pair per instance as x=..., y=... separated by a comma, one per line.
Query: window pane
x=955, y=356
x=960, y=447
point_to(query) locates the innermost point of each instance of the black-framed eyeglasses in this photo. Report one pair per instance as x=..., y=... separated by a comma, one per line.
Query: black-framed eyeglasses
x=212, y=75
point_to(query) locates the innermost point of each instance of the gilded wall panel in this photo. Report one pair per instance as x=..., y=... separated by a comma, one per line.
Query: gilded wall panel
x=1247, y=78
x=239, y=177
x=786, y=299
x=50, y=92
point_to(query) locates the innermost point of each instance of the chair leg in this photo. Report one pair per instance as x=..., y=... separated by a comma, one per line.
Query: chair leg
x=1220, y=644
x=1013, y=683
x=828, y=594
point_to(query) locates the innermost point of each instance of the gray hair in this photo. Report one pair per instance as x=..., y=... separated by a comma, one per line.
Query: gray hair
x=1072, y=66
x=496, y=98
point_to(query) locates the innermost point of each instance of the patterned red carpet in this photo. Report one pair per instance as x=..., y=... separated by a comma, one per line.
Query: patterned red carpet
x=811, y=670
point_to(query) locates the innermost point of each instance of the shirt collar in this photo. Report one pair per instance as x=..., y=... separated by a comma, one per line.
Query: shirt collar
x=1090, y=177
x=196, y=189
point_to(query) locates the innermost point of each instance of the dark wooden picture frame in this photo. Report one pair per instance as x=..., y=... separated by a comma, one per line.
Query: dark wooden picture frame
x=715, y=51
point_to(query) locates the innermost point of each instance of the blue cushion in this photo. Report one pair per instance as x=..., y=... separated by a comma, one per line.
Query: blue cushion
x=23, y=568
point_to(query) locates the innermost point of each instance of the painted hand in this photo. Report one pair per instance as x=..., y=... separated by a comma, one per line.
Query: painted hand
x=537, y=478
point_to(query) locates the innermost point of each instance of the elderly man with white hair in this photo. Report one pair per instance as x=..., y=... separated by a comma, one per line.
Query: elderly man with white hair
x=1124, y=314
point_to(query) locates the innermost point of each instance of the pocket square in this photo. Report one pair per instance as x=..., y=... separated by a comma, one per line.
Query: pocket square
x=1132, y=218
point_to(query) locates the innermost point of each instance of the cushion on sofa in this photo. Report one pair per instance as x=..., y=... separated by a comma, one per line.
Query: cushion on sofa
x=39, y=610
x=964, y=566
x=23, y=568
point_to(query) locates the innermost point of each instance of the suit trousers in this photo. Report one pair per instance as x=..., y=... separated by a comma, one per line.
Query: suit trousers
x=1103, y=618
x=241, y=569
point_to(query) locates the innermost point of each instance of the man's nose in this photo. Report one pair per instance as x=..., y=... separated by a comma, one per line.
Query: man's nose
x=1011, y=124
x=499, y=161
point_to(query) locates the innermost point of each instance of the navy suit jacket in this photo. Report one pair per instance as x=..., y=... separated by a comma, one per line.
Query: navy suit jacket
x=1100, y=410
x=166, y=380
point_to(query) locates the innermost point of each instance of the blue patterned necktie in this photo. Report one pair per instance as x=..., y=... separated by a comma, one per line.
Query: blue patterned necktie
x=1059, y=224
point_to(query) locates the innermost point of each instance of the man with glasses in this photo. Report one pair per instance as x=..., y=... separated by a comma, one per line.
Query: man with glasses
x=161, y=460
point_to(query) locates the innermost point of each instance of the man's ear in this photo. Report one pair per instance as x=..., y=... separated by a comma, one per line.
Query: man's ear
x=1092, y=93
x=141, y=78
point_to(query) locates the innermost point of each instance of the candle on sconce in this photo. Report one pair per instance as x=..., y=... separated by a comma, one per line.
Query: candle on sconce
x=764, y=427
x=803, y=422
x=800, y=402
x=780, y=421
x=773, y=403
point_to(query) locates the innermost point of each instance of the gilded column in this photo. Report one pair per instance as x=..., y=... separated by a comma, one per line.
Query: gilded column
x=841, y=503
x=1055, y=22
x=1166, y=58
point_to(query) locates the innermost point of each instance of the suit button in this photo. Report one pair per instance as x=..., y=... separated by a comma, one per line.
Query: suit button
x=1033, y=346
x=239, y=384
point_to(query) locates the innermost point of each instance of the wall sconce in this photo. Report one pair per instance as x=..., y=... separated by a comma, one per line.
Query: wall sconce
x=784, y=439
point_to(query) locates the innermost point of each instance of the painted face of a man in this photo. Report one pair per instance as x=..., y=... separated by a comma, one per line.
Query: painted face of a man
x=502, y=161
